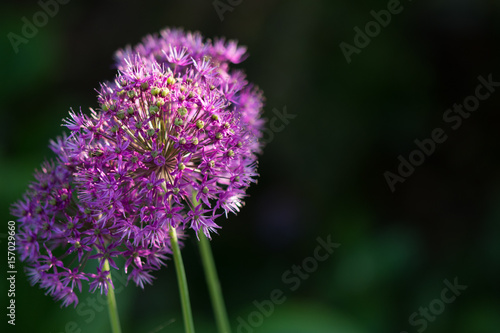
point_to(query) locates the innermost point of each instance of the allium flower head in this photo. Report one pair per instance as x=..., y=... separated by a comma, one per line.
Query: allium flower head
x=170, y=133
x=58, y=234
x=172, y=145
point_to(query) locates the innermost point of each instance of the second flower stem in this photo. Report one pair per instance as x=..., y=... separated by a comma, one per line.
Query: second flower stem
x=113, y=310
x=213, y=284
x=182, y=281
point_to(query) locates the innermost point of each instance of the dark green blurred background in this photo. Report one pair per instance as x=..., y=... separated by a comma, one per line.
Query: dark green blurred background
x=322, y=175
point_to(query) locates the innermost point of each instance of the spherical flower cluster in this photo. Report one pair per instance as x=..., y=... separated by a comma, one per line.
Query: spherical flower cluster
x=172, y=146
x=58, y=234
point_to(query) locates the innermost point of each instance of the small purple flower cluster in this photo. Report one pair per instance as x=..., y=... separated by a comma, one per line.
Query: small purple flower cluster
x=173, y=145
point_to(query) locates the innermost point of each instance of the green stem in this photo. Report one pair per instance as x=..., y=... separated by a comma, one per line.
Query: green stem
x=213, y=285
x=113, y=310
x=182, y=281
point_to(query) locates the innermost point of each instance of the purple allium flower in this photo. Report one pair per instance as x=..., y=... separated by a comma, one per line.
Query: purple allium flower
x=173, y=145
x=58, y=234
x=177, y=127
x=45, y=226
